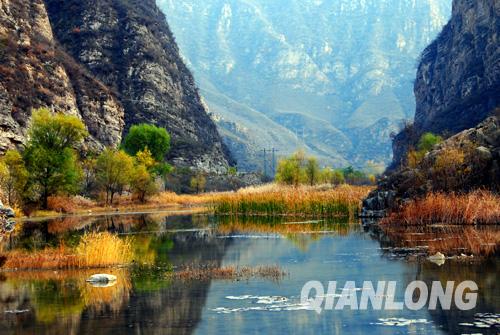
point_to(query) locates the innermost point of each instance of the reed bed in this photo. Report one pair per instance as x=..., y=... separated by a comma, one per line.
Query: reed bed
x=478, y=207
x=95, y=250
x=212, y=271
x=303, y=201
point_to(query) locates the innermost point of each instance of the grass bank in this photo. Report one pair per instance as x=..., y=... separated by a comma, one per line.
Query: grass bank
x=270, y=200
x=475, y=208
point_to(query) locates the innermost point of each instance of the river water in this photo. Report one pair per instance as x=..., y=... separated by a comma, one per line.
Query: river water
x=145, y=301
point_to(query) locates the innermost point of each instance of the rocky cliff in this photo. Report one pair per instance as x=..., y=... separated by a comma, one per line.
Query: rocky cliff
x=36, y=72
x=458, y=95
x=114, y=63
x=458, y=78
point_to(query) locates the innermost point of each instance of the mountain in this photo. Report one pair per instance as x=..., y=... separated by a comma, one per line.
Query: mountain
x=114, y=63
x=36, y=72
x=336, y=65
x=458, y=79
x=458, y=96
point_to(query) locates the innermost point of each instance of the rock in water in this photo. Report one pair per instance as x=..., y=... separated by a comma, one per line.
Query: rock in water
x=101, y=278
x=438, y=258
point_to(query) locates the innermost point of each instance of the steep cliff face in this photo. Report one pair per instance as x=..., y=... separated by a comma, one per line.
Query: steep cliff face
x=128, y=45
x=349, y=63
x=457, y=89
x=36, y=72
x=458, y=79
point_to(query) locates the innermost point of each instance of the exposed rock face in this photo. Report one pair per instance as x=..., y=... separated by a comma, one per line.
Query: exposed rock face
x=458, y=79
x=35, y=72
x=481, y=168
x=347, y=63
x=128, y=45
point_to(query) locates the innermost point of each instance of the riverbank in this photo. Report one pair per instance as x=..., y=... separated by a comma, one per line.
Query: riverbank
x=269, y=199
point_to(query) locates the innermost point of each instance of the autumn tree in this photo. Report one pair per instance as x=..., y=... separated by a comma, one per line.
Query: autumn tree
x=114, y=170
x=13, y=177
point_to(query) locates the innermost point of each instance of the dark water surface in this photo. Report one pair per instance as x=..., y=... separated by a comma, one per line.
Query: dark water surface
x=145, y=301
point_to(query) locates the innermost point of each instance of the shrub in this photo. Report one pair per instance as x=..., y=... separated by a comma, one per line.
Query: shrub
x=448, y=170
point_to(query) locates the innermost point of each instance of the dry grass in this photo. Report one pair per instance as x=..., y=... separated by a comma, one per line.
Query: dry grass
x=479, y=207
x=65, y=204
x=303, y=201
x=212, y=271
x=95, y=250
x=103, y=249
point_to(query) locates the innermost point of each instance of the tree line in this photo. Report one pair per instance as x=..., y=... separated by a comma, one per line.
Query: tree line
x=50, y=164
x=301, y=169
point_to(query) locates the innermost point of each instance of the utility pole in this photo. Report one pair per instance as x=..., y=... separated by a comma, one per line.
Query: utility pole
x=265, y=163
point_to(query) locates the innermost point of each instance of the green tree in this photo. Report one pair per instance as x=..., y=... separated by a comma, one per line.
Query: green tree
x=50, y=157
x=13, y=176
x=114, y=171
x=312, y=171
x=291, y=170
x=142, y=183
x=142, y=136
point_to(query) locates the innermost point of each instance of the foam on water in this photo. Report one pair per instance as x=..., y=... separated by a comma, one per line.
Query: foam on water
x=399, y=322
x=267, y=303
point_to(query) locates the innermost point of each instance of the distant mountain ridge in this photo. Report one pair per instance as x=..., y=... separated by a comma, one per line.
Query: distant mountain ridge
x=349, y=64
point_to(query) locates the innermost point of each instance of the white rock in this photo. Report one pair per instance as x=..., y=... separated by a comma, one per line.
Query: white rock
x=438, y=258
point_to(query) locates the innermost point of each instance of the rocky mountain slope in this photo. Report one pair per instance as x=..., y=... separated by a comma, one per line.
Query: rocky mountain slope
x=349, y=64
x=458, y=79
x=36, y=72
x=458, y=93
x=114, y=63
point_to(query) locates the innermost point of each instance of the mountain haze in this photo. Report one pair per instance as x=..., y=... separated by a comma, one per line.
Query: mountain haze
x=306, y=73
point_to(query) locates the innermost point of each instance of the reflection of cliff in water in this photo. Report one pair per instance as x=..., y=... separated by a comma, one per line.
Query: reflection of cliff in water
x=483, y=271
x=154, y=305
x=484, y=274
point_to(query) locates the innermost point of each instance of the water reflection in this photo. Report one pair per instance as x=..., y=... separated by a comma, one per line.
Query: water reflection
x=145, y=300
